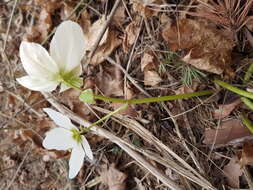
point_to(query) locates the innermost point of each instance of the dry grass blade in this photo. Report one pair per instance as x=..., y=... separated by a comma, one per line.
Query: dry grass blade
x=19, y=167
x=121, y=143
x=188, y=171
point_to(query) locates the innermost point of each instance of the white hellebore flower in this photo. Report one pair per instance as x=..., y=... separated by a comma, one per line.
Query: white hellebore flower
x=66, y=137
x=63, y=65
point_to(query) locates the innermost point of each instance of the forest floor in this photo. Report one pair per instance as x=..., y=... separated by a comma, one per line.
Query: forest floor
x=145, y=48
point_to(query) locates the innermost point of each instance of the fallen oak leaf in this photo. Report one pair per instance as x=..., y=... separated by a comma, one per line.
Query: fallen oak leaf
x=130, y=34
x=152, y=78
x=228, y=131
x=143, y=7
x=119, y=17
x=108, y=43
x=205, y=47
x=109, y=81
x=149, y=65
x=114, y=178
x=232, y=172
x=245, y=156
x=226, y=109
x=103, y=51
x=91, y=33
x=188, y=88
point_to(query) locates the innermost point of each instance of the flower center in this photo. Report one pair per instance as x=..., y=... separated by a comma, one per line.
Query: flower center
x=69, y=79
x=76, y=135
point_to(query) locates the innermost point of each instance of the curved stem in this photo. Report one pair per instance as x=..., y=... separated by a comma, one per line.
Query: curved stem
x=234, y=89
x=154, y=99
x=86, y=129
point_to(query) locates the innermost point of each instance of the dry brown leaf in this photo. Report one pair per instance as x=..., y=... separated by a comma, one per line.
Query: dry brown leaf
x=43, y=26
x=66, y=11
x=229, y=130
x=112, y=42
x=91, y=34
x=108, y=43
x=130, y=111
x=109, y=81
x=119, y=17
x=149, y=66
x=165, y=20
x=152, y=78
x=114, y=178
x=226, y=109
x=130, y=34
x=187, y=89
x=232, y=172
x=142, y=7
x=246, y=155
x=71, y=98
x=205, y=47
x=85, y=22
x=250, y=23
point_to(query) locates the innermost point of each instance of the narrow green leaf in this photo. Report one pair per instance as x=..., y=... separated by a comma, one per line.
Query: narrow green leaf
x=247, y=123
x=247, y=102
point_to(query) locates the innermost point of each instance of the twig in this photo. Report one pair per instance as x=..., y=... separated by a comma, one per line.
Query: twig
x=103, y=29
x=184, y=143
x=248, y=177
x=104, y=133
x=131, y=55
x=150, y=138
x=110, y=60
x=25, y=104
x=19, y=167
x=9, y=25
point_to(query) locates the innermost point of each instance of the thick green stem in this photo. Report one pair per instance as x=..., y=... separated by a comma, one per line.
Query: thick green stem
x=234, y=89
x=86, y=129
x=154, y=99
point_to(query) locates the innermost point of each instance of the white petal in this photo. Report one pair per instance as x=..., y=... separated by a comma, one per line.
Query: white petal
x=37, y=84
x=76, y=160
x=77, y=71
x=67, y=46
x=60, y=119
x=87, y=148
x=36, y=60
x=59, y=139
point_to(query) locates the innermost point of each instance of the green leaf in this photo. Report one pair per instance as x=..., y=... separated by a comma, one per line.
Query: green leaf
x=87, y=96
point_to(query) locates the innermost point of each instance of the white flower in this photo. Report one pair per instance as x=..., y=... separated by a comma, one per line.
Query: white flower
x=63, y=65
x=66, y=137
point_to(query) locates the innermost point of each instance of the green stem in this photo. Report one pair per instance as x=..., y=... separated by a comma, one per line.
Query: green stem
x=248, y=73
x=154, y=99
x=247, y=102
x=247, y=122
x=234, y=89
x=86, y=129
